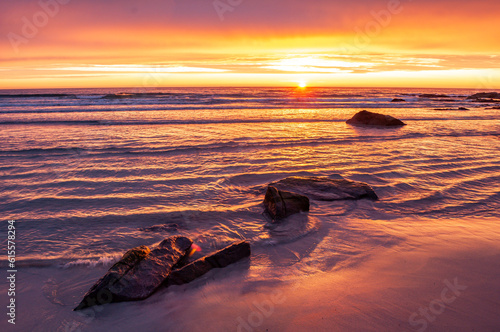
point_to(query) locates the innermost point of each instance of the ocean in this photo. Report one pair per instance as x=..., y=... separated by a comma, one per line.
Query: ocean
x=90, y=173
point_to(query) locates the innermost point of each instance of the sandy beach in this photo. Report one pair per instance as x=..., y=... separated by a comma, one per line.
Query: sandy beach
x=440, y=278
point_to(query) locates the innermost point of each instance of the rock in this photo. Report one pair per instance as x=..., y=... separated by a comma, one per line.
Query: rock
x=398, y=100
x=463, y=109
x=486, y=101
x=438, y=97
x=325, y=189
x=161, y=228
x=485, y=95
x=433, y=95
x=138, y=274
x=365, y=118
x=220, y=259
x=281, y=204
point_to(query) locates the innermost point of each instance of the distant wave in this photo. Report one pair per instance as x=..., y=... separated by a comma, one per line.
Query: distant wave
x=58, y=150
x=103, y=101
x=219, y=121
x=38, y=95
x=118, y=95
x=225, y=146
x=160, y=122
x=129, y=95
x=190, y=105
x=51, y=122
x=187, y=107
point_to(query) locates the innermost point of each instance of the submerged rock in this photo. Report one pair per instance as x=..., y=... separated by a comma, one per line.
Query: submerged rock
x=365, y=118
x=138, y=274
x=281, y=204
x=485, y=95
x=220, y=259
x=432, y=95
x=161, y=228
x=325, y=189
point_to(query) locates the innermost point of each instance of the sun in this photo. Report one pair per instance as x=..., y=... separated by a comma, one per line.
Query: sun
x=302, y=85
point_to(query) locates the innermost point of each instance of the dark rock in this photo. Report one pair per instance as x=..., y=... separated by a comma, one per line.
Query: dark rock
x=365, y=118
x=325, y=189
x=220, y=259
x=451, y=109
x=485, y=95
x=432, y=96
x=281, y=204
x=138, y=274
x=161, y=228
x=486, y=101
x=438, y=97
x=398, y=100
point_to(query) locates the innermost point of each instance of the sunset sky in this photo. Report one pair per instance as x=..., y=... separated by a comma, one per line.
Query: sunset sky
x=363, y=43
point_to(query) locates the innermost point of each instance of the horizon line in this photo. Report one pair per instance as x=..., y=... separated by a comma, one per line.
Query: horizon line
x=254, y=87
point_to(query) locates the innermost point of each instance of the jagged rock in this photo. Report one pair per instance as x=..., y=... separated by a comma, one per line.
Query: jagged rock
x=281, y=204
x=365, y=118
x=325, y=189
x=485, y=95
x=138, y=274
x=220, y=259
x=398, y=100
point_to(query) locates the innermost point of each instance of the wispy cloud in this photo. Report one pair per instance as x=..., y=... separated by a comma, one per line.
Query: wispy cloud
x=272, y=41
x=138, y=69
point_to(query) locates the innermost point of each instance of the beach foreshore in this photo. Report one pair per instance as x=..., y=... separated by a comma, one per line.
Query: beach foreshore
x=442, y=276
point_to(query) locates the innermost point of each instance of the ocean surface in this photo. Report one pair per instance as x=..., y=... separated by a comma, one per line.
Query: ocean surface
x=89, y=173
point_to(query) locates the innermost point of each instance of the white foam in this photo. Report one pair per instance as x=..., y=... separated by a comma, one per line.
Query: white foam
x=104, y=261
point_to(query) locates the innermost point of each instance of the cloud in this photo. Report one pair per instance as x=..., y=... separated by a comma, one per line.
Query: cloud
x=138, y=69
x=183, y=37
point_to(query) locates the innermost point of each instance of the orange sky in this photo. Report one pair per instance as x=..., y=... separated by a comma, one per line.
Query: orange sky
x=63, y=43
